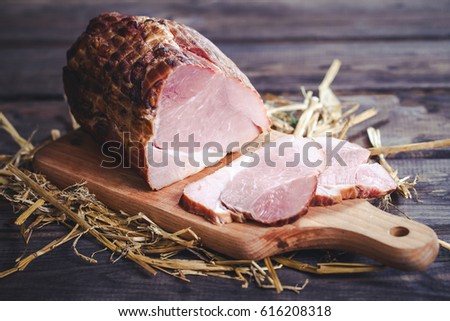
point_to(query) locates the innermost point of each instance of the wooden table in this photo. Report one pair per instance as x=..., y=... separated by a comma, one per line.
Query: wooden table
x=394, y=47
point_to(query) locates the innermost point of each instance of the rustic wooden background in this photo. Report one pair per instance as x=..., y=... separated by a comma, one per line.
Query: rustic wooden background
x=389, y=47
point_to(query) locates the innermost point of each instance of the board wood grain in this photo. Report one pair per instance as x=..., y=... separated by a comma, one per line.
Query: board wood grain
x=352, y=226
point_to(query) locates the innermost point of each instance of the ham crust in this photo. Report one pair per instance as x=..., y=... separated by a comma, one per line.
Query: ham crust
x=116, y=72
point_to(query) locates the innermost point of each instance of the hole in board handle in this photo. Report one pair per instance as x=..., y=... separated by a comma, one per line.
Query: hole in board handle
x=399, y=231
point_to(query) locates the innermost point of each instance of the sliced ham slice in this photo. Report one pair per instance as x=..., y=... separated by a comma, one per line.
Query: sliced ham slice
x=348, y=153
x=353, y=178
x=273, y=191
x=203, y=196
x=361, y=181
x=270, y=196
x=372, y=180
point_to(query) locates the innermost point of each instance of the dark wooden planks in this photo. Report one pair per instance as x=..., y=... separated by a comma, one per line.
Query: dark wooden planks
x=39, y=117
x=62, y=275
x=271, y=42
x=370, y=65
x=406, y=125
x=433, y=190
x=46, y=22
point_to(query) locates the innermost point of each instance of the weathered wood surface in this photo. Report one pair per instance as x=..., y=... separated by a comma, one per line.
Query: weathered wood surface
x=390, y=46
x=280, y=45
x=45, y=22
x=276, y=67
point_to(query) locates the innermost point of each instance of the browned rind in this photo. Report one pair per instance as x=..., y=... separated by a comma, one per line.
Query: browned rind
x=116, y=71
x=193, y=207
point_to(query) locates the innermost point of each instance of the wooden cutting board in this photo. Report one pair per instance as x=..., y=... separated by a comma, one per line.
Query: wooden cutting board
x=355, y=225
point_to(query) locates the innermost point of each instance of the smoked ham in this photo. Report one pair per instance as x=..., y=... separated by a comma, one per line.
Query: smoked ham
x=148, y=83
x=273, y=193
x=273, y=185
x=350, y=176
x=155, y=85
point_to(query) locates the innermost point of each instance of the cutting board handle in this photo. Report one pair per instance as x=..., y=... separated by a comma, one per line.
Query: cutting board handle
x=359, y=227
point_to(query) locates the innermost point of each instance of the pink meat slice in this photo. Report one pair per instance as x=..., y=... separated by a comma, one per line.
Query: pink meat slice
x=211, y=108
x=277, y=189
x=336, y=184
x=164, y=164
x=338, y=181
x=353, y=178
x=270, y=196
x=203, y=196
x=275, y=193
x=350, y=153
x=372, y=180
x=205, y=107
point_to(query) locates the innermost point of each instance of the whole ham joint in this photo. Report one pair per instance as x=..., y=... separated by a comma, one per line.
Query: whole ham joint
x=150, y=83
